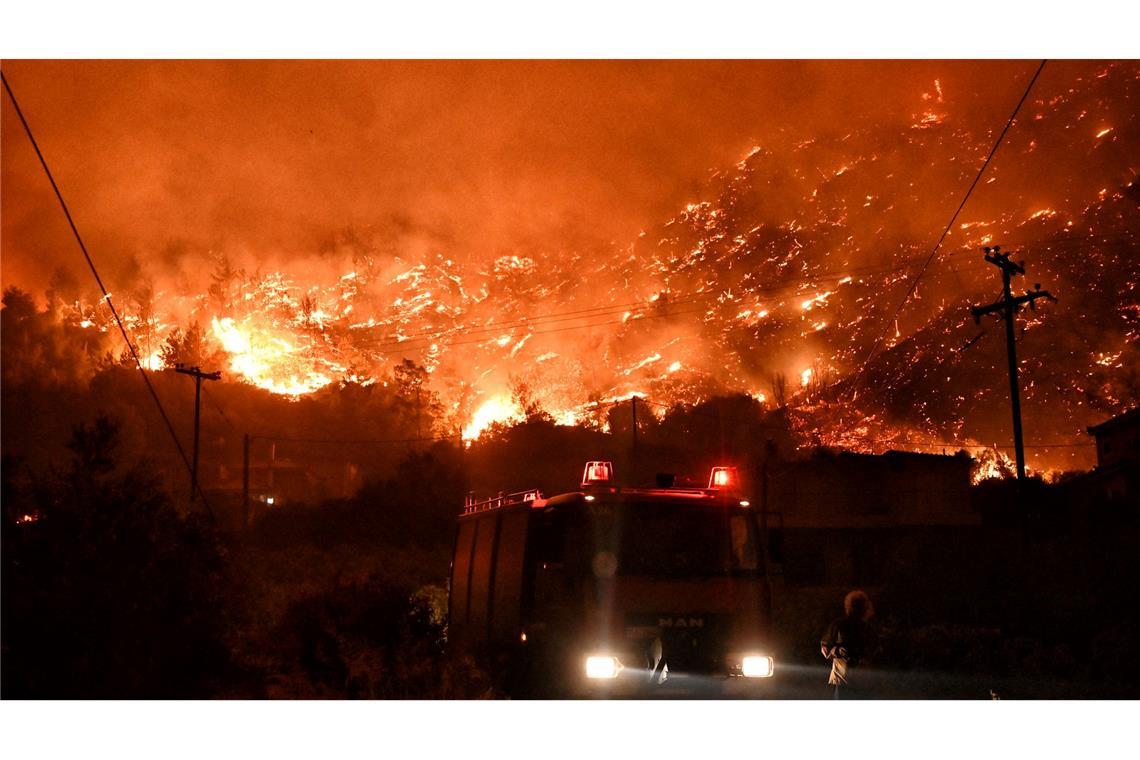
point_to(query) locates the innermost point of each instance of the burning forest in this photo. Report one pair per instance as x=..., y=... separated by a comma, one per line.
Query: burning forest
x=351, y=300
x=778, y=278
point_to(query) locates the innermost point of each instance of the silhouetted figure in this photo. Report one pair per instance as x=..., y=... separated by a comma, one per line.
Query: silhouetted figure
x=845, y=644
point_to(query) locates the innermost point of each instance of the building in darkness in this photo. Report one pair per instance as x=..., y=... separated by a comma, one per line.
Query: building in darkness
x=1114, y=480
x=853, y=519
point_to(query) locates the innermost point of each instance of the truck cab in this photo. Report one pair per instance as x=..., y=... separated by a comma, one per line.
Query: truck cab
x=614, y=590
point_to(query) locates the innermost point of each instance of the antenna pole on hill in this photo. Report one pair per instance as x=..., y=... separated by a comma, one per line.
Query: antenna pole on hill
x=1009, y=305
x=199, y=376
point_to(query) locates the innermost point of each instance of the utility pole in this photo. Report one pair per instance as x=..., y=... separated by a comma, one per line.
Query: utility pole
x=1009, y=306
x=633, y=407
x=198, y=375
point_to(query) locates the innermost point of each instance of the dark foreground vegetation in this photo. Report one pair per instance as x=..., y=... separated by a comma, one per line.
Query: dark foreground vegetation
x=114, y=586
x=111, y=589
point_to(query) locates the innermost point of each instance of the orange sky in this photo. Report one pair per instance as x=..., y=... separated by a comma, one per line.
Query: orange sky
x=164, y=161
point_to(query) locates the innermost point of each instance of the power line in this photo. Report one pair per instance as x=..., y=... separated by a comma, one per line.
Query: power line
x=103, y=289
x=640, y=307
x=218, y=408
x=946, y=231
x=1074, y=245
x=563, y=329
x=780, y=286
x=416, y=343
x=430, y=337
x=523, y=321
x=608, y=310
x=422, y=340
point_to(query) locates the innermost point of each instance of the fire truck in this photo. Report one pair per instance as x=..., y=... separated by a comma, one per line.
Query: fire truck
x=615, y=590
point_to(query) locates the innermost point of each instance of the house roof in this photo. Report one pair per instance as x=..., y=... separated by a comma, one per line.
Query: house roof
x=1131, y=417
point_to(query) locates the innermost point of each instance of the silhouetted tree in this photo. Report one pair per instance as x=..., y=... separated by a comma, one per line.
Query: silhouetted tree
x=778, y=384
x=524, y=396
x=39, y=349
x=108, y=591
x=189, y=347
x=225, y=282
x=416, y=404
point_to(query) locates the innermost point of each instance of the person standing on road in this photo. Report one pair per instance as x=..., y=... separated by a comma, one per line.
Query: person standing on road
x=845, y=645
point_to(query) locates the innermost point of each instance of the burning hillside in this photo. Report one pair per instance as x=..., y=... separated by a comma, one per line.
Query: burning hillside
x=776, y=281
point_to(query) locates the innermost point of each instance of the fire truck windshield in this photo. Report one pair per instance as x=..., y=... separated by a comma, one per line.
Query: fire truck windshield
x=663, y=539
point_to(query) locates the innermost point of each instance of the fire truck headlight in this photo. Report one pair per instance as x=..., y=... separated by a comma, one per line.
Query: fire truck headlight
x=756, y=666
x=602, y=666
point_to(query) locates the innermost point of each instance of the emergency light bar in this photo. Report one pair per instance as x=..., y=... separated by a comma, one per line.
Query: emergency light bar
x=722, y=478
x=598, y=473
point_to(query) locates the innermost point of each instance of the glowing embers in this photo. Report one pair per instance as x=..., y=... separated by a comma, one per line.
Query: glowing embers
x=497, y=410
x=654, y=357
x=1109, y=359
x=268, y=361
x=679, y=314
x=816, y=300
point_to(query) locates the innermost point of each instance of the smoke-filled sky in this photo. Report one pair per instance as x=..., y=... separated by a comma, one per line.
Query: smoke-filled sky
x=576, y=232
x=162, y=162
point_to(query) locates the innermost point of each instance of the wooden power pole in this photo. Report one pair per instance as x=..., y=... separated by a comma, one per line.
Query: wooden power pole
x=1008, y=306
x=633, y=410
x=199, y=376
x=245, y=481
